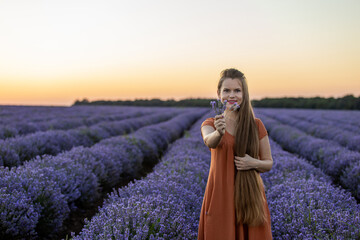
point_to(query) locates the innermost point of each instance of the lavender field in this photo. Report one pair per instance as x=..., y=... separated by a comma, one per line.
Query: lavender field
x=56, y=162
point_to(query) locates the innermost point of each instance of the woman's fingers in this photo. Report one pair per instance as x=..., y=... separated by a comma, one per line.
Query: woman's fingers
x=220, y=123
x=238, y=164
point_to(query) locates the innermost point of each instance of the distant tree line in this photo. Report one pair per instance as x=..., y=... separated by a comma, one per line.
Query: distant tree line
x=348, y=102
x=150, y=103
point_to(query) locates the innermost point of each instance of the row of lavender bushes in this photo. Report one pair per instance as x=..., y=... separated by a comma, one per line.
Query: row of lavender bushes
x=33, y=119
x=346, y=138
x=336, y=161
x=10, y=114
x=20, y=120
x=82, y=117
x=37, y=114
x=36, y=198
x=15, y=151
x=167, y=203
x=344, y=119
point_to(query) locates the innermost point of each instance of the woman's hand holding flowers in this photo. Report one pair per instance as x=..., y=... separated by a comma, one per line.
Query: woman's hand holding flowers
x=219, y=108
x=220, y=124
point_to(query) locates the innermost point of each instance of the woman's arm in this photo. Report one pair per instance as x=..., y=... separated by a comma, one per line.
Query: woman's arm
x=266, y=162
x=211, y=136
x=263, y=165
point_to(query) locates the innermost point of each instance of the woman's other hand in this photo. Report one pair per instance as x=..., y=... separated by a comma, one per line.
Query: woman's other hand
x=245, y=163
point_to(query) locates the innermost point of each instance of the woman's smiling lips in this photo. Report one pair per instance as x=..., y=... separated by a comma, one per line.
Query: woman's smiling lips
x=231, y=102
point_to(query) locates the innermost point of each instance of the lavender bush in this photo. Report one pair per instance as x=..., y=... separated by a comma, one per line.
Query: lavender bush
x=17, y=207
x=47, y=207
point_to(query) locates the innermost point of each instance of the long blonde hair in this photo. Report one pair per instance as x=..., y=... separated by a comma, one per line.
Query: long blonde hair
x=248, y=189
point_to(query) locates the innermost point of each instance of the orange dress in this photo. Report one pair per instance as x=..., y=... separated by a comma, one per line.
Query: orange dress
x=217, y=218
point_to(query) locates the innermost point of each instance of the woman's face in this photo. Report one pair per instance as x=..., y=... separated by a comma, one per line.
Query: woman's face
x=231, y=91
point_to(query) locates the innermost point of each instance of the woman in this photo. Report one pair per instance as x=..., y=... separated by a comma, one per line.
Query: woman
x=234, y=204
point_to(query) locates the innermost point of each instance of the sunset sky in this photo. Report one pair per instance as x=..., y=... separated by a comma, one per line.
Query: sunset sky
x=56, y=51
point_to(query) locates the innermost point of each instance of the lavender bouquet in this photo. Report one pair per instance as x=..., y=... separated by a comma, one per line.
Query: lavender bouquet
x=219, y=108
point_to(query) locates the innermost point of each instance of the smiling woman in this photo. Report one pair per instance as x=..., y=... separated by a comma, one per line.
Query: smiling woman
x=234, y=204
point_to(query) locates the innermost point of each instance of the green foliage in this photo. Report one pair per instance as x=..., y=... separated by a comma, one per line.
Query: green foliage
x=186, y=134
x=134, y=141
